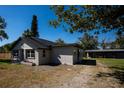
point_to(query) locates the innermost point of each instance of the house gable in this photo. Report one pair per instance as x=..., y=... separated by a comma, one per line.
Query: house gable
x=26, y=46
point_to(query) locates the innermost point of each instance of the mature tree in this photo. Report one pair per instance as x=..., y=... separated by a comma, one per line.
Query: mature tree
x=119, y=42
x=88, y=42
x=60, y=42
x=27, y=33
x=3, y=34
x=103, y=44
x=8, y=47
x=111, y=17
x=14, y=43
x=89, y=18
x=5, y=48
x=113, y=45
x=34, y=27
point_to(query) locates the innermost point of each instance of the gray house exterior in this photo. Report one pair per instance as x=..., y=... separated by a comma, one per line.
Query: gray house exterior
x=41, y=52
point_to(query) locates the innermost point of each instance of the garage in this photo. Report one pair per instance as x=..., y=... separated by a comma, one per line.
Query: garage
x=66, y=54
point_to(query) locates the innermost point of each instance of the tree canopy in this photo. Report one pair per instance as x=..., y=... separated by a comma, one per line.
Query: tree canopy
x=89, y=18
x=34, y=27
x=60, y=42
x=119, y=42
x=33, y=32
x=8, y=47
x=104, y=44
x=3, y=34
x=88, y=42
x=27, y=33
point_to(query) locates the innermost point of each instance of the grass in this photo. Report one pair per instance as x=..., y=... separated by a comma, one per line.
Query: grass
x=5, y=61
x=117, y=66
x=18, y=75
x=112, y=63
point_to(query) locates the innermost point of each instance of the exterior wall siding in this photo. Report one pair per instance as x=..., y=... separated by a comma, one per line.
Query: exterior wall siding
x=46, y=59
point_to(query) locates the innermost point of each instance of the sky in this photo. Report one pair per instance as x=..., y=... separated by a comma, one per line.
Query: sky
x=19, y=18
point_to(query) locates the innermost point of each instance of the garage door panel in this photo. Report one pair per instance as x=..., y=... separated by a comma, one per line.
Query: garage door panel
x=66, y=59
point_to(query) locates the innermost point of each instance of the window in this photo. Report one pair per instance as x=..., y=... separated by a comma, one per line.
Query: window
x=15, y=53
x=30, y=54
x=44, y=53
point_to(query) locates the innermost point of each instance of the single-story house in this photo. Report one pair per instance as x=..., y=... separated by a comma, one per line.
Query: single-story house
x=40, y=51
x=105, y=53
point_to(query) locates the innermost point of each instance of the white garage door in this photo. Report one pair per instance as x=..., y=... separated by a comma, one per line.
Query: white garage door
x=66, y=59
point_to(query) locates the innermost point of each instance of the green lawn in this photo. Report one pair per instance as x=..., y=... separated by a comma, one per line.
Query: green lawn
x=112, y=63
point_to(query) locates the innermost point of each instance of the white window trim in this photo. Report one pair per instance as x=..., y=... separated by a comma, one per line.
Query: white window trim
x=30, y=57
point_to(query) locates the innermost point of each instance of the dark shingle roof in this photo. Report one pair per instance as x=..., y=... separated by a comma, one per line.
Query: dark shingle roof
x=67, y=45
x=43, y=41
x=53, y=44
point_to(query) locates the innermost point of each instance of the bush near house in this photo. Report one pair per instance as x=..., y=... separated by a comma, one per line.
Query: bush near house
x=5, y=61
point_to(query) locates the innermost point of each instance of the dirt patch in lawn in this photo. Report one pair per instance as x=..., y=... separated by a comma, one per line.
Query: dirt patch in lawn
x=13, y=75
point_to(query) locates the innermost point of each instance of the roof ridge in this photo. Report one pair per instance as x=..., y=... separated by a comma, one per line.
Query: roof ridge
x=38, y=40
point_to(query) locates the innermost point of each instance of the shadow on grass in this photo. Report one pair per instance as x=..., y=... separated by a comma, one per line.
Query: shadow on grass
x=117, y=68
x=87, y=62
x=5, y=61
x=118, y=74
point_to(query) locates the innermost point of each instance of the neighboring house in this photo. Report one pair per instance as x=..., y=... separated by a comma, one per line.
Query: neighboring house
x=39, y=52
x=105, y=53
